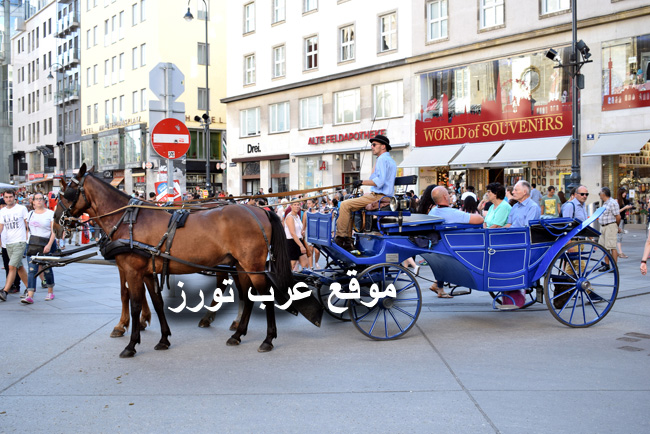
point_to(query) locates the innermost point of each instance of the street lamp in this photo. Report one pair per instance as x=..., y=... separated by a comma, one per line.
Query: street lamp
x=61, y=143
x=579, y=56
x=206, y=116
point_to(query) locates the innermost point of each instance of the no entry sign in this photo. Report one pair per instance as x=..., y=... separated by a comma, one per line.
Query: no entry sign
x=170, y=138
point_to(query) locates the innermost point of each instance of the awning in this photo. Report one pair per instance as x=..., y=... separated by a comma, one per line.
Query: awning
x=544, y=149
x=343, y=150
x=117, y=181
x=431, y=156
x=477, y=153
x=261, y=158
x=619, y=143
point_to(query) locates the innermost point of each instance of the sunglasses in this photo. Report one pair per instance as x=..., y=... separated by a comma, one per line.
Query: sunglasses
x=583, y=194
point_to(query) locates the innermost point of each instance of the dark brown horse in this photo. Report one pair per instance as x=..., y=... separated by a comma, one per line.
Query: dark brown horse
x=234, y=235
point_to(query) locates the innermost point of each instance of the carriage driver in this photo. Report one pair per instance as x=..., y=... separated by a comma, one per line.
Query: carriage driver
x=381, y=182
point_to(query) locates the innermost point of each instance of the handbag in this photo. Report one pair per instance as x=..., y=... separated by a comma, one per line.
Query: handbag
x=36, y=245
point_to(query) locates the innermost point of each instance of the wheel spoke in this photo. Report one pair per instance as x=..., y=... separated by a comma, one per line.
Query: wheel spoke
x=365, y=314
x=563, y=272
x=399, y=326
x=374, y=322
x=403, y=311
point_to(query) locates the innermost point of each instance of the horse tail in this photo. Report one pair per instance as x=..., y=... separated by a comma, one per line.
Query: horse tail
x=280, y=265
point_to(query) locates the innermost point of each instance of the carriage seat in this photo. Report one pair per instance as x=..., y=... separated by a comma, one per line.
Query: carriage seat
x=384, y=202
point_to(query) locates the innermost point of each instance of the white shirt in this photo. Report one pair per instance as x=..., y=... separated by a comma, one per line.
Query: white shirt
x=14, y=224
x=468, y=193
x=40, y=225
x=297, y=225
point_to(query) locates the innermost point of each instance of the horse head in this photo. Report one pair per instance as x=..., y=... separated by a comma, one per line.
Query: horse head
x=72, y=201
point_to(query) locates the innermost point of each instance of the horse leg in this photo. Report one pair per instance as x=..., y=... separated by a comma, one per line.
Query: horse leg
x=209, y=316
x=123, y=325
x=136, y=294
x=240, y=308
x=146, y=312
x=271, y=329
x=158, y=305
x=243, y=281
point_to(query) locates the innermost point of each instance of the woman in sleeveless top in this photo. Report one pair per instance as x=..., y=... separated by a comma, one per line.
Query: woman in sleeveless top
x=293, y=232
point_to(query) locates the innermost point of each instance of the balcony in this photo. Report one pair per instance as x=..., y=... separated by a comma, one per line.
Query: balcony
x=67, y=24
x=67, y=96
x=68, y=60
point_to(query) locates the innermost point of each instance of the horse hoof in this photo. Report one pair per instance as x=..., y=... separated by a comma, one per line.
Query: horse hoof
x=265, y=348
x=234, y=326
x=204, y=323
x=161, y=346
x=117, y=333
x=232, y=342
x=127, y=353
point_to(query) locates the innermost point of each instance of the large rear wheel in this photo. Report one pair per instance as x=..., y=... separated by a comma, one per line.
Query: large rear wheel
x=579, y=287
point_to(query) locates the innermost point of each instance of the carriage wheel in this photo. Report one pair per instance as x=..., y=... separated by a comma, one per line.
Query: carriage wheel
x=531, y=297
x=578, y=292
x=390, y=317
x=324, y=292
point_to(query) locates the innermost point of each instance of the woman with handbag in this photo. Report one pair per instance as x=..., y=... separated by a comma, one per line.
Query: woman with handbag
x=293, y=232
x=41, y=242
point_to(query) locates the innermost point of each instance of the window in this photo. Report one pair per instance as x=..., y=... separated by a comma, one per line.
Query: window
x=95, y=113
x=134, y=57
x=106, y=112
x=94, y=36
x=279, y=12
x=143, y=10
x=388, y=32
x=113, y=29
x=279, y=117
x=203, y=55
x=491, y=13
x=134, y=101
x=249, y=17
x=114, y=109
x=121, y=24
x=311, y=53
x=107, y=77
x=346, y=41
x=143, y=100
x=121, y=107
x=134, y=15
x=347, y=106
x=121, y=76
x=388, y=100
x=437, y=20
x=88, y=40
x=249, y=122
x=203, y=99
x=309, y=5
x=551, y=6
x=311, y=112
x=143, y=54
x=94, y=74
x=88, y=115
x=249, y=69
x=279, y=63
x=88, y=79
x=106, y=37
x=114, y=70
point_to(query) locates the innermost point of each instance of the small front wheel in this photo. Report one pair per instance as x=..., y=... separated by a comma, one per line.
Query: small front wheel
x=389, y=304
x=580, y=286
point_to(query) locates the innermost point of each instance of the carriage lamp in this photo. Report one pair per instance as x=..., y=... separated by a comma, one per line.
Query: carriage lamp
x=399, y=202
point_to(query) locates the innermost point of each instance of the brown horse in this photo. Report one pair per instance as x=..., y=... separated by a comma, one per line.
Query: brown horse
x=233, y=235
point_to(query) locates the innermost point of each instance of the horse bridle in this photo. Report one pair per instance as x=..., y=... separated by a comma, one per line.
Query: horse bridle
x=66, y=215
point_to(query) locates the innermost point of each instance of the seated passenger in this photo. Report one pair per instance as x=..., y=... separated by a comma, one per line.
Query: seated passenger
x=441, y=197
x=497, y=215
x=525, y=209
x=522, y=212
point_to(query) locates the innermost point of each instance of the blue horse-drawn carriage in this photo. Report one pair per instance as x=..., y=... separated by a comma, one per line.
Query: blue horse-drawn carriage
x=552, y=260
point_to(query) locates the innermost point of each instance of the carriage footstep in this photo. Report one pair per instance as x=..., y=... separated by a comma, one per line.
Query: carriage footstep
x=506, y=307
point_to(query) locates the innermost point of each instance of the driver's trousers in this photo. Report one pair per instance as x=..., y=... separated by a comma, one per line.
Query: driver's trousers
x=344, y=222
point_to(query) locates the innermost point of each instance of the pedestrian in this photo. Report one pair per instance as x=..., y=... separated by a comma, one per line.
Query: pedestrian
x=535, y=195
x=550, y=204
x=609, y=221
x=5, y=257
x=575, y=207
x=624, y=205
x=293, y=232
x=40, y=222
x=13, y=217
x=646, y=253
x=469, y=192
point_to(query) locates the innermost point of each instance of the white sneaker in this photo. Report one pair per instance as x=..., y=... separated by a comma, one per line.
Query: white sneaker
x=416, y=270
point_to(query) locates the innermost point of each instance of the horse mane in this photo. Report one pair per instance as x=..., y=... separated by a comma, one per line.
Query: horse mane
x=123, y=194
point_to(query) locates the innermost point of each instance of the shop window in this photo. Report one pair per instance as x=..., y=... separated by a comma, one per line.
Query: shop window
x=388, y=100
x=388, y=32
x=308, y=174
x=133, y=146
x=311, y=112
x=280, y=175
x=251, y=168
x=347, y=106
x=626, y=73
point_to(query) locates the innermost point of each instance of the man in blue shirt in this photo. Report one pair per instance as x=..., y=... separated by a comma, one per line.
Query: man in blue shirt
x=381, y=182
x=525, y=209
x=575, y=208
x=535, y=195
x=441, y=197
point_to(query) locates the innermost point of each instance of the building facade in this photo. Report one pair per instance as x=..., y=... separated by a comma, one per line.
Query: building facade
x=129, y=50
x=463, y=88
